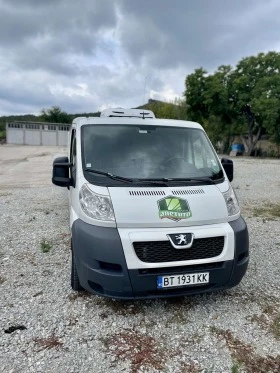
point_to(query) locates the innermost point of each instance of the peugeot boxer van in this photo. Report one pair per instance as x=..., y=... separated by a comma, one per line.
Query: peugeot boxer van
x=152, y=210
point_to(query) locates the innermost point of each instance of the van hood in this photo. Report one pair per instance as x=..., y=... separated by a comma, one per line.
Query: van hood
x=168, y=207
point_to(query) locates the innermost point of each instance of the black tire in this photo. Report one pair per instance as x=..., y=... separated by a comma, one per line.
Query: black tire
x=75, y=282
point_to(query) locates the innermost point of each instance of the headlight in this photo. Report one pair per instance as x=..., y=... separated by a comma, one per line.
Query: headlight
x=231, y=202
x=96, y=206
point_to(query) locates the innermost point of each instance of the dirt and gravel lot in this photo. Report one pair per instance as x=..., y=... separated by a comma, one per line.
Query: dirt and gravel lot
x=62, y=331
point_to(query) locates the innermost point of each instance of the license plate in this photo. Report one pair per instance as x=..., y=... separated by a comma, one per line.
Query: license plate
x=182, y=280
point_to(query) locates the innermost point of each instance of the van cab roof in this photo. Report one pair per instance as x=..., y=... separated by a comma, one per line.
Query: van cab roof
x=80, y=121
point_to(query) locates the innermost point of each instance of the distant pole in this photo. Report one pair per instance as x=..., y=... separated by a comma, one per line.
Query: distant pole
x=144, y=93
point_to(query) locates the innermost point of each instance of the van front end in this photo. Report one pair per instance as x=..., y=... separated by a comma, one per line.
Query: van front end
x=165, y=260
x=152, y=210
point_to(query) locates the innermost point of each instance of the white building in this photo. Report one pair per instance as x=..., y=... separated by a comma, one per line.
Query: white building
x=37, y=133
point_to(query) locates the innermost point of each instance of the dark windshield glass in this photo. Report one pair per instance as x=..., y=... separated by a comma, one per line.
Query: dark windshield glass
x=149, y=152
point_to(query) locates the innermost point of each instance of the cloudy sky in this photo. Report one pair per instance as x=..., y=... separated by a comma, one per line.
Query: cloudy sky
x=86, y=55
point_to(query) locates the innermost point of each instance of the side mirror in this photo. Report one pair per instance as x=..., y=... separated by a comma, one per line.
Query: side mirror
x=60, y=176
x=228, y=167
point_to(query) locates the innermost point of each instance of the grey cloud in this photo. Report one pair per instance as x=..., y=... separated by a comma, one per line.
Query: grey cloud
x=111, y=46
x=196, y=33
x=25, y=95
x=45, y=37
x=69, y=22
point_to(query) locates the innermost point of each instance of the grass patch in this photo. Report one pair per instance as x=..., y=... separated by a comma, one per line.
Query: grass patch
x=2, y=134
x=235, y=368
x=45, y=246
x=268, y=211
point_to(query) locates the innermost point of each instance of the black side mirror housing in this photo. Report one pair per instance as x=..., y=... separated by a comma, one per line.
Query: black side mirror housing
x=60, y=176
x=228, y=167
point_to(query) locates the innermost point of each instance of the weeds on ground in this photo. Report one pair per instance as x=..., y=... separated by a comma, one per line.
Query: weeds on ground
x=79, y=294
x=246, y=356
x=2, y=280
x=269, y=319
x=47, y=343
x=192, y=367
x=124, y=308
x=269, y=211
x=140, y=349
x=45, y=246
x=275, y=327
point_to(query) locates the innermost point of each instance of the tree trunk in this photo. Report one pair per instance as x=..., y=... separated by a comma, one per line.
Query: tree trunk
x=251, y=142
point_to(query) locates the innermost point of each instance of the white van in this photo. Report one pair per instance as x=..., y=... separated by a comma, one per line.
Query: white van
x=152, y=211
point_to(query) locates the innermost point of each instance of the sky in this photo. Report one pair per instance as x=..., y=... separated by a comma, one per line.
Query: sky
x=89, y=55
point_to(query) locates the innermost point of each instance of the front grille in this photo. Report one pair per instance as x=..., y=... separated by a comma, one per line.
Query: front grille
x=163, y=251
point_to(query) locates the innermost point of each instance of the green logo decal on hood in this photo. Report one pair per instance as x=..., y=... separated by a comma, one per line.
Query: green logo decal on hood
x=174, y=208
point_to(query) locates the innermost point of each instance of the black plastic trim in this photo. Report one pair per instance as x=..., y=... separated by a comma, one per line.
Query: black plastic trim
x=100, y=260
x=241, y=255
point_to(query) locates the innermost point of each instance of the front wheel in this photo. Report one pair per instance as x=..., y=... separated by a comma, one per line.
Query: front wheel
x=75, y=282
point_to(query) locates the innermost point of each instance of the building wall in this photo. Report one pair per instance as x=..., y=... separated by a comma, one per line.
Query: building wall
x=32, y=137
x=33, y=133
x=15, y=136
x=62, y=138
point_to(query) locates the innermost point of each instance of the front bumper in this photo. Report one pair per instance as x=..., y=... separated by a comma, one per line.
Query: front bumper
x=102, y=267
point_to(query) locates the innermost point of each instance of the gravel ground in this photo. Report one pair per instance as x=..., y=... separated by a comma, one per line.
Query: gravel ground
x=62, y=331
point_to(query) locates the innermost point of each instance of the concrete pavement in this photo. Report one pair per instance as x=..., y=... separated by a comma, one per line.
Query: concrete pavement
x=27, y=166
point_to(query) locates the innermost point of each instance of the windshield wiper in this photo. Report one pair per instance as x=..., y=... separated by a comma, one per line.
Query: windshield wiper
x=126, y=179
x=108, y=174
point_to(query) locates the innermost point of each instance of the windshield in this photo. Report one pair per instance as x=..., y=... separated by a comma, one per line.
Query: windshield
x=149, y=152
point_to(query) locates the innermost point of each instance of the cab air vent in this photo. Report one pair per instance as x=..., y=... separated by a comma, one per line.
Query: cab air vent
x=146, y=193
x=190, y=191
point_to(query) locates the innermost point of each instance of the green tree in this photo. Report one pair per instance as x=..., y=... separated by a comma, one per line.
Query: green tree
x=166, y=110
x=195, y=88
x=243, y=101
x=55, y=115
x=255, y=84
